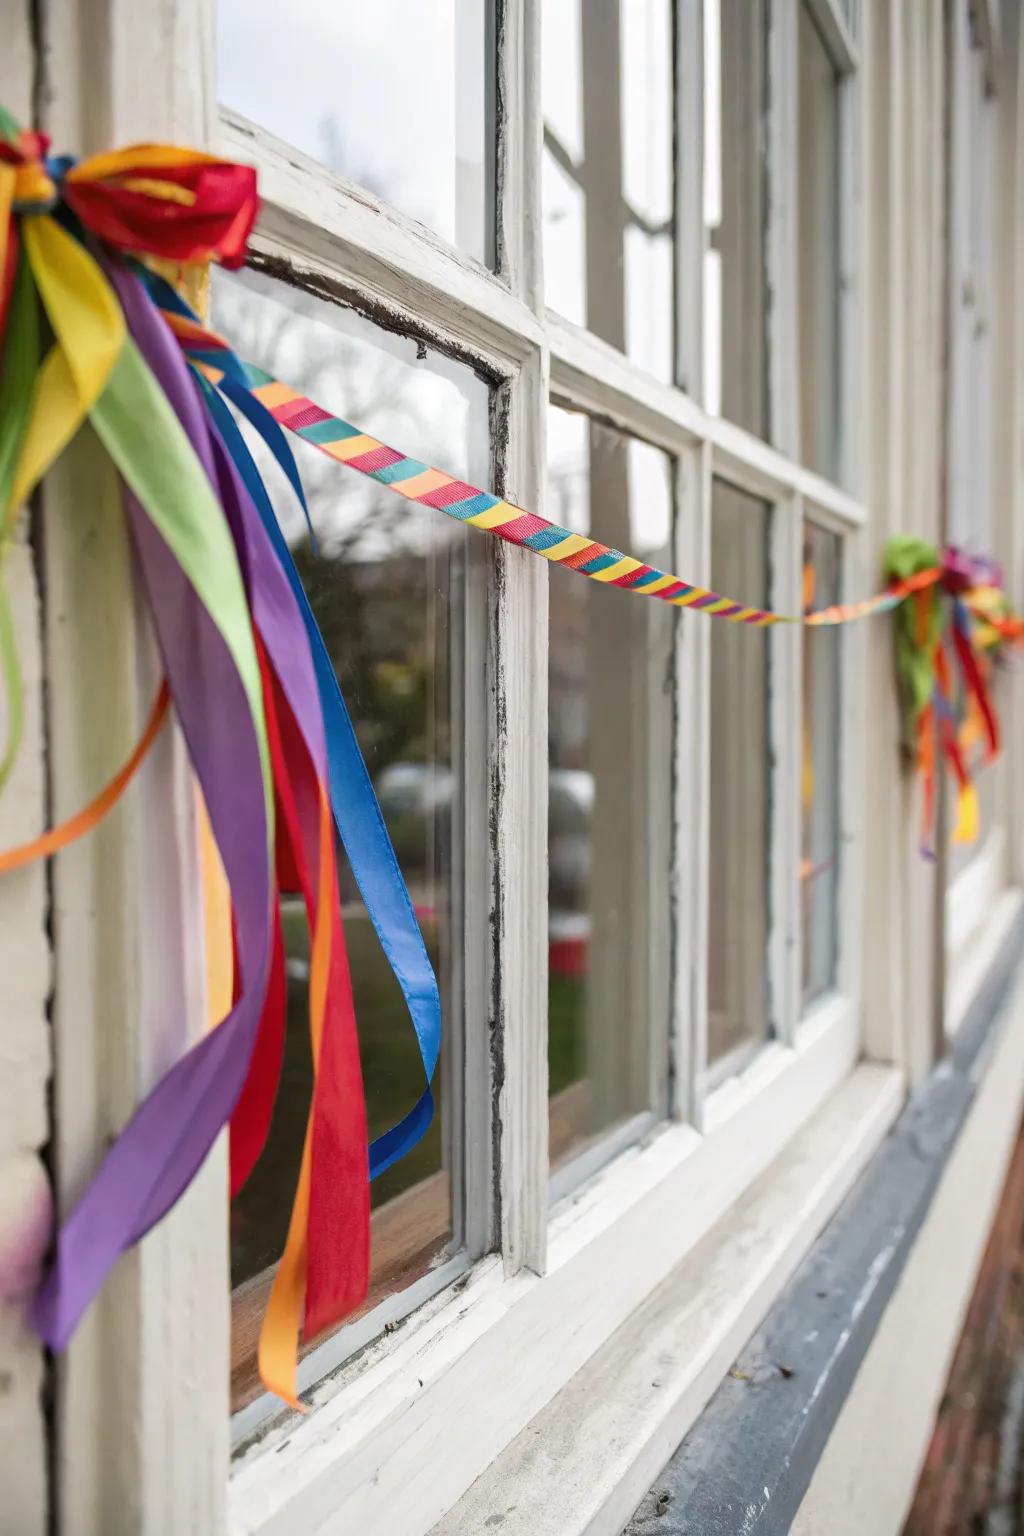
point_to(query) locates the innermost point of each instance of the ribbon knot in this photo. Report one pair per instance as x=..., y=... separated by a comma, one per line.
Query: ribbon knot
x=151, y=199
x=25, y=179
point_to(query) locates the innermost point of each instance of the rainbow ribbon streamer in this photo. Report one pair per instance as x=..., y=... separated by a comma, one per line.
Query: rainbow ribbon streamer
x=919, y=575
x=418, y=482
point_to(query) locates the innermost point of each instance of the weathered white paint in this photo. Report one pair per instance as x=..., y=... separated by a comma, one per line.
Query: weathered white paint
x=390, y=1443
x=141, y=1438
x=399, y=1434
x=517, y=674
x=902, y=439
x=585, y=1462
x=327, y=224
x=25, y=1201
x=868, y=1472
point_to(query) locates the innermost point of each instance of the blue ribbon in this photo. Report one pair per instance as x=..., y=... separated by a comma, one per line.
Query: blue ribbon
x=357, y=814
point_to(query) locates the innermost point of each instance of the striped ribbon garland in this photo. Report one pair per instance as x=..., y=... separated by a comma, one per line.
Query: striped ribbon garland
x=418, y=482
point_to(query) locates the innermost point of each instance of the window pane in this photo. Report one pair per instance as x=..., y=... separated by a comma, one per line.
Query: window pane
x=819, y=787
x=394, y=96
x=738, y=884
x=607, y=176
x=739, y=238
x=609, y=815
x=818, y=257
x=386, y=591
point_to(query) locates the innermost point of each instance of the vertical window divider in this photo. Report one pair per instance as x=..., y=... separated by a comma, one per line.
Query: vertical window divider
x=781, y=234
x=691, y=231
x=852, y=266
x=785, y=714
x=517, y=686
x=691, y=812
x=853, y=577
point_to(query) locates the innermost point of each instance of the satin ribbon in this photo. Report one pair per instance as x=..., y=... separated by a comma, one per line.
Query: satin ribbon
x=202, y=621
x=332, y=1197
x=356, y=811
x=217, y=595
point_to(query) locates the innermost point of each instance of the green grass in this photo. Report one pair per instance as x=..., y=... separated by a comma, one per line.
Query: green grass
x=392, y=1080
x=566, y=999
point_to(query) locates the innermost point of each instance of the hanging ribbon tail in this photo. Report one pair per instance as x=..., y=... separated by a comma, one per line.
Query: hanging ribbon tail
x=967, y=815
x=974, y=678
x=324, y=1271
x=361, y=827
x=253, y=1111
x=357, y=813
x=926, y=772
x=333, y=1191
x=205, y=347
x=191, y=575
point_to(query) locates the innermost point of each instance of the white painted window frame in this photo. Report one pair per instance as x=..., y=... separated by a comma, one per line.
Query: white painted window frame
x=403, y=1427
x=331, y=232
x=974, y=911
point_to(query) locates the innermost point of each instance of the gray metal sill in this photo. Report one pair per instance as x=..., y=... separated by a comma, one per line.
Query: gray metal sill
x=748, y=1460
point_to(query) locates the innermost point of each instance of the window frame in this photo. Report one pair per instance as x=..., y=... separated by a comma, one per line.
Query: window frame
x=337, y=236
x=974, y=914
x=637, y=1217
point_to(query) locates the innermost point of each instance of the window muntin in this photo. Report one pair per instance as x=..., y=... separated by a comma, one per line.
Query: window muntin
x=473, y=320
x=820, y=769
x=608, y=183
x=609, y=794
x=738, y=387
x=739, y=795
x=818, y=249
x=386, y=587
x=394, y=96
x=972, y=514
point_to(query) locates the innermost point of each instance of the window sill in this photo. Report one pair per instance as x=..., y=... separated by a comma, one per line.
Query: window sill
x=394, y=1439
x=584, y=1463
x=970, y=963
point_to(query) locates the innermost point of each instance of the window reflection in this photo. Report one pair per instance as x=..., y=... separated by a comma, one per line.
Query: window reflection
x=395, y=96
x=737, y=243
x=819, y=777
x=609, y=814
x=818, y=250
x=386, y=589
x=738, y=838
x=608, y=172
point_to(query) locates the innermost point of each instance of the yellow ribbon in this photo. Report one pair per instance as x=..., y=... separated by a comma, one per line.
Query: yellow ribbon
x=85, y=314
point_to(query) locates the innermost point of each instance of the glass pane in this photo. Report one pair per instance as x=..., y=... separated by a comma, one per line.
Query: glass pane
x=818, y=255
x=607, y=175
x=738, y=883
x=394, y=96
x=609, y=814
x=386, y=588
x=819, y=782
x=739, y=238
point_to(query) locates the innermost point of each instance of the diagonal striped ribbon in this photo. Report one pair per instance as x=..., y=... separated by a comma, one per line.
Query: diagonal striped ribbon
x=418, y=482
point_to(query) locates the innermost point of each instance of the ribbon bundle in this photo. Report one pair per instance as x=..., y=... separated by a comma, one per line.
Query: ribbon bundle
x=934, y=639
x=254, y=690
x=269, y=739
